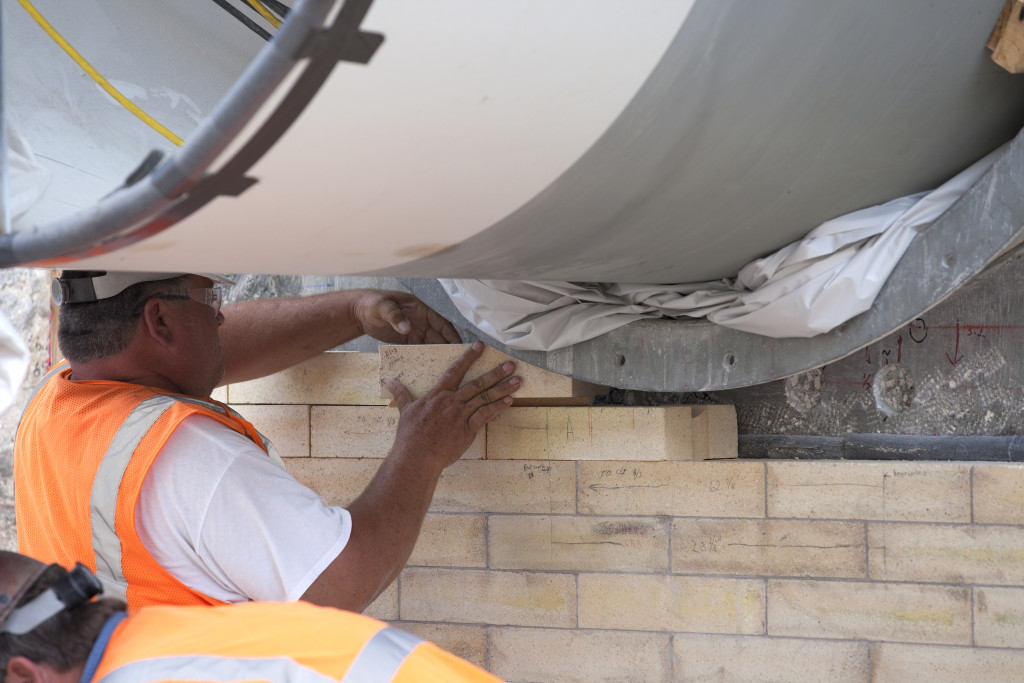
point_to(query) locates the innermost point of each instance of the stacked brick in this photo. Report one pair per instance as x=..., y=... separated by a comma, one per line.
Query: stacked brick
x=603, y=552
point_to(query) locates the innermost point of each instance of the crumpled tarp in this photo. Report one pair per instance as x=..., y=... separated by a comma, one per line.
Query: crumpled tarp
x=14, y=360
x=802, y=290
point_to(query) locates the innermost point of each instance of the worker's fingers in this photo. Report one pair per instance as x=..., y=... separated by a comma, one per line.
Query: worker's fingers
x=486, y=412
x=389, y=310
x=400, y=393
x=452, y=377
x=496, y=393
x=481, y=384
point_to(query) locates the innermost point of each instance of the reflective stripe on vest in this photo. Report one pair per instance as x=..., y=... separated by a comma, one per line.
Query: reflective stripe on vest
x=106, y=543
x=381, y=657
x=377, y=662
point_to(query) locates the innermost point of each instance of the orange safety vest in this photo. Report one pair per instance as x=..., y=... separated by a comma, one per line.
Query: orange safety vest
x=81, y=454
x=270, y=641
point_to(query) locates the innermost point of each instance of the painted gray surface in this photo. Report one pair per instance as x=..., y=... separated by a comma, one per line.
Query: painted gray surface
x=761, y=121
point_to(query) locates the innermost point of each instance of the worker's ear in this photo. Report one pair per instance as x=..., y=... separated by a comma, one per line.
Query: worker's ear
x=23, y=670
x=160, y=321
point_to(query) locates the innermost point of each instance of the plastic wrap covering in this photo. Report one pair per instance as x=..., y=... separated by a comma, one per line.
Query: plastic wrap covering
x=806, y=288
x=172, y=61
x=13, y=362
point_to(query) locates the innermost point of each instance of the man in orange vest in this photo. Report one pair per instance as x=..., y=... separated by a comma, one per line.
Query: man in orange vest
x=124, y=464
x=51, y=632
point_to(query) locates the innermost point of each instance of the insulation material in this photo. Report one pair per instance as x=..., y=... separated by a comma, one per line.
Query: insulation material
x=806, y=288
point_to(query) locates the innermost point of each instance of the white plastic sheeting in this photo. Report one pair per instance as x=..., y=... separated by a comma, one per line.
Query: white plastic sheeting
x=13, y=362
x=27, y=177
x=804, y=289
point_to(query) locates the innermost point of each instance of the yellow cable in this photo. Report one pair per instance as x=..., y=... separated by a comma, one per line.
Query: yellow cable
x=102, y=82
x=264, y=12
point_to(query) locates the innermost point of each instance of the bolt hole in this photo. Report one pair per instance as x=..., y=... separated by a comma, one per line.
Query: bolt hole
x=729, y=360
x=620, y=359
x=947, y=260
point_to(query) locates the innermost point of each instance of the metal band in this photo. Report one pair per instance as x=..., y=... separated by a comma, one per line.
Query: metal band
x=213, y=668
x=106, y=544
x=381, y=657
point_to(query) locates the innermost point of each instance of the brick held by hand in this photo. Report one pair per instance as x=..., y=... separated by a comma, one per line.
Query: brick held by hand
x=419, y=367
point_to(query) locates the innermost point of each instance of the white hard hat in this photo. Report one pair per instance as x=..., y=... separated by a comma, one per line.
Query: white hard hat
x=74, y=287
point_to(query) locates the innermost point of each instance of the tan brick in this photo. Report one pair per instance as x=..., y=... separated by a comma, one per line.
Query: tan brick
x=869, y=611
x=385, y=607
x=902, y=492
x=287, y=427
x=489, y=597
x=647, y=602
x=769, y=547
x=753, y=658
x=465, y=486
x=420, y=367
x=333, y=378
x=523, y=654
x=999, y=617
x=946, y=553
x=999, y=494
x=338, y=481
x=719, y=489
x=507, y=486
x=543, y=542
x=468, y=642
x=362, y=432
x=451, y=541
x=613, y=433
x=898, y=663
x=220, y=394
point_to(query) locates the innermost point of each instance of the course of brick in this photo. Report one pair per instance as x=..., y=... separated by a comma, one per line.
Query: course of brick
x=586, y=566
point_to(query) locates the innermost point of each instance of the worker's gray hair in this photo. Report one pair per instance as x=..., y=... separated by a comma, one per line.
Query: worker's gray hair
x=99, y=329
x=65, y=640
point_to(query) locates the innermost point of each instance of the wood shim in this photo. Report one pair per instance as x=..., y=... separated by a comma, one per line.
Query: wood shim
x=420, y=367
x=1007, y=39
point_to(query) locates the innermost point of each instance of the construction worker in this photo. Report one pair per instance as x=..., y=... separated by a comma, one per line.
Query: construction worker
x=124, y=464
x=52, y=632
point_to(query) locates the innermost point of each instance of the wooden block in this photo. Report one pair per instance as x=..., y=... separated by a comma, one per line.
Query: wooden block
x=1007, y=40
x=613, y=433
x=362, y=432
x=332, y=378
x=420, y=367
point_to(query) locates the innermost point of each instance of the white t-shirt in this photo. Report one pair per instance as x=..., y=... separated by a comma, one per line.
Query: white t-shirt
x=228, y=521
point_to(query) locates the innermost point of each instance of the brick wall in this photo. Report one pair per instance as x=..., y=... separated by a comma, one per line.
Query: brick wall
x=651, y=568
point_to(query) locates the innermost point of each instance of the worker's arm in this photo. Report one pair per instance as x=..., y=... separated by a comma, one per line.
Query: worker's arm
x=433, y=432
x=265, y=336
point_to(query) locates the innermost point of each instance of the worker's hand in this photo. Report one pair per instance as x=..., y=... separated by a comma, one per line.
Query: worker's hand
x=442, y=424
x=400, y=318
